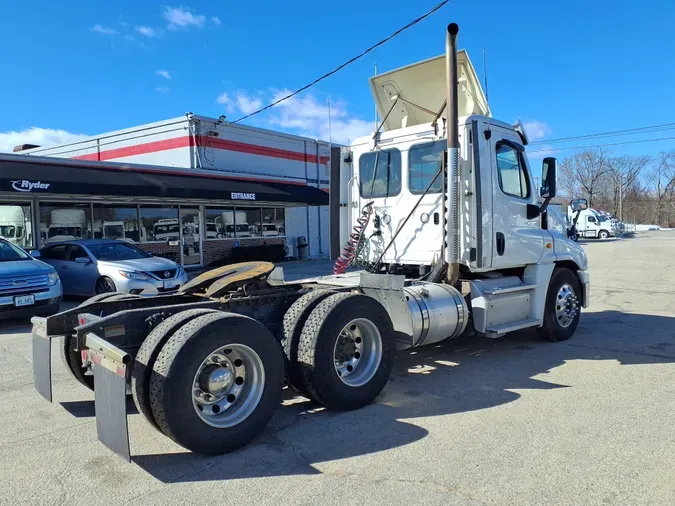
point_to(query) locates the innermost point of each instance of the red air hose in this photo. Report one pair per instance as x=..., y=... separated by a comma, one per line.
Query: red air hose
x=351, y=249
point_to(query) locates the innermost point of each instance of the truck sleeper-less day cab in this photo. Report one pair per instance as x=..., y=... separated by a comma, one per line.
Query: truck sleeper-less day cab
x=592, y=224
x=441, y=210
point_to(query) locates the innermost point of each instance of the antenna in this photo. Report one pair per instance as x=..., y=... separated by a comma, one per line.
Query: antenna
x=485, y=73
x=330, y=133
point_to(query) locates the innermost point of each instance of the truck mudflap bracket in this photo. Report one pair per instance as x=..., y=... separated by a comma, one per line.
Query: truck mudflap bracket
x=42, y=357
x=111, y=367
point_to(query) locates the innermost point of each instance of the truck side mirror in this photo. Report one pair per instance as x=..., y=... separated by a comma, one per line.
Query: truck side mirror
x=549, y=176
x=579, y=204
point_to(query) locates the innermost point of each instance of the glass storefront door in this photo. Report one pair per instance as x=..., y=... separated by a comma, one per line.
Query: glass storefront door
x=191, y=238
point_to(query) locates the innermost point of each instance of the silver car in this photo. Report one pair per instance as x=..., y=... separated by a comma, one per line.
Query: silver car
x=28, y=287
x=89, y=267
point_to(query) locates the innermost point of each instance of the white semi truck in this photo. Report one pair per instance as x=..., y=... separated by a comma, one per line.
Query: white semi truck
x=452, y=234
x=66, y=225
x=592, y=224
x=15, y=225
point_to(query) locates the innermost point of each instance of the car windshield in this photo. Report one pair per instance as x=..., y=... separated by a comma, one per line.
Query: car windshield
x=7, y=230
x=11, y=253
x=113, y=251
x=113, y=231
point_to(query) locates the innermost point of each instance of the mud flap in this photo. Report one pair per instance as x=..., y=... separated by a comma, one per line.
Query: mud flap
x=42, y=358
x=110, y=400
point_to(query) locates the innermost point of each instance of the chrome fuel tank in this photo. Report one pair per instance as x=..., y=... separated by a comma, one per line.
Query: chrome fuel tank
x=438, y=312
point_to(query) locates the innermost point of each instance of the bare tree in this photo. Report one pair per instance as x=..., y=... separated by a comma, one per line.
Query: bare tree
x=582, y=173
x=622, y=177
x=661, y=184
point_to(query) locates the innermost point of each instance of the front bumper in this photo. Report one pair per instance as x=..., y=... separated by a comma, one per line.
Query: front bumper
x=151, y=286
x=47, y=302
x=585, y=280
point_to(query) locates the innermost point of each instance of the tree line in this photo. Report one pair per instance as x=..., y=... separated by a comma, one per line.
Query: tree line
x=638, y=189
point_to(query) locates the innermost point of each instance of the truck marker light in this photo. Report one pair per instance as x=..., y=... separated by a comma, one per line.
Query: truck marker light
x=549, y=245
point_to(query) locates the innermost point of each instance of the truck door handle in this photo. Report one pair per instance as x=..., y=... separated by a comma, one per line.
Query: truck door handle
x=501, y=243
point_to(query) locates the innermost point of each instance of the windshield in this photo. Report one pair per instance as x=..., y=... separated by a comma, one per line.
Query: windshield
x=11, y=253
x=269, y=227
x=166, y=229
x=113, y=251
x=70, y=231
x=7, y=230
x=211, y=227
x=113, y=231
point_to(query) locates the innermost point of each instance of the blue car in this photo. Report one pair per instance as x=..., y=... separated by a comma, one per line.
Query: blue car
x=28, y=287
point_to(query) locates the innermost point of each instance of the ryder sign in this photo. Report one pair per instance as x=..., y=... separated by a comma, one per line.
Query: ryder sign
x=23, y=185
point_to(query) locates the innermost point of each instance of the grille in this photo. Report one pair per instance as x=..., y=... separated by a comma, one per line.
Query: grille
x=161, y=274
x=21, y=285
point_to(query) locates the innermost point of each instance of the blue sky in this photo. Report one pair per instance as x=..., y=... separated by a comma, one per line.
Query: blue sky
x=565, y=68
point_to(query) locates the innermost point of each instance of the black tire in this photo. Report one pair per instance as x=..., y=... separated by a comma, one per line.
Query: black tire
x=105, y=285
x=147, y=355
x=552, y=330
x=294, y=321
x=603, y=234
x=72, y=359
x=317, y=344
x=171, y=382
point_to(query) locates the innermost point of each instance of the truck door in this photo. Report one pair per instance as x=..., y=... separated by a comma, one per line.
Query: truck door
x=591, y=228
x=518, y=241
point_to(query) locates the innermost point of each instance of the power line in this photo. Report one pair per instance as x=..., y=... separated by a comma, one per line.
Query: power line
x=383, y=41
x=601, y=145
x=615, y=133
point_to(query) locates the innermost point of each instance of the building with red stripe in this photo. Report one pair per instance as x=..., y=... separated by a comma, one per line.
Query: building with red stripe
x=193, y=180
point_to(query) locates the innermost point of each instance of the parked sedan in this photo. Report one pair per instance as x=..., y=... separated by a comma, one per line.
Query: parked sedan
x=89, y=266
x=28, y=287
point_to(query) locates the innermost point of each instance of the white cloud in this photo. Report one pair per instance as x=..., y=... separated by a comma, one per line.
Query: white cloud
x=129, y=37
x=180, y=17
x=162, y=89
x=536, y=130
x=164, y=73
x=103, y=30
x=41, y=136
x=146, y=30
x=305, y=115
x=216, y=20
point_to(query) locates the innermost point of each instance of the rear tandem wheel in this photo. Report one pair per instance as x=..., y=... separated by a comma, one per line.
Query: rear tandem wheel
x=216, y=382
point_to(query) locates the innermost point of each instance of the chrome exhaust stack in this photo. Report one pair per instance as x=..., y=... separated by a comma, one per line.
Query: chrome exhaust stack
x=453, y=179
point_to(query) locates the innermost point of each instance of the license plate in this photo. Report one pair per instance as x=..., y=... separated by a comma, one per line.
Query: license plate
x=169, y=284
x=24, y=300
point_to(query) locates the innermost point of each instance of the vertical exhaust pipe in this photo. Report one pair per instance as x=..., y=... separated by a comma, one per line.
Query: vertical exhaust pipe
x=452, y=251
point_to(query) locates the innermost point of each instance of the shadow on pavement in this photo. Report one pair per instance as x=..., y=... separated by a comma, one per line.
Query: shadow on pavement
x=459, y=376
x=86, y=409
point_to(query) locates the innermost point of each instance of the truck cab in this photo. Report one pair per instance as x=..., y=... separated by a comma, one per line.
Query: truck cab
x=591, y=224
x=496, y=222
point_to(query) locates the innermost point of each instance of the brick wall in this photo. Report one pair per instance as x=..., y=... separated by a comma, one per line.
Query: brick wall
x=219, y=250
x=214, y=250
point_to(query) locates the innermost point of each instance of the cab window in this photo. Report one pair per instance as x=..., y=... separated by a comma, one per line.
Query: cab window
x=591, y=219
x=512, y=171
x=380, y=173
x=424, y=161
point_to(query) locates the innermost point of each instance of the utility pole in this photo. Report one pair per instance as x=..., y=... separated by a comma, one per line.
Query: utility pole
x=330, y=133
x=620, y=197
x=377, y=119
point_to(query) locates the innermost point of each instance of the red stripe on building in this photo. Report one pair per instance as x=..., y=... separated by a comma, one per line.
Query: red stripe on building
x=187, y=141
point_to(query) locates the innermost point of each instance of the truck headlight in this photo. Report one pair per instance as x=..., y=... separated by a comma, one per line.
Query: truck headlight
x=53, y=278
x=139, y=276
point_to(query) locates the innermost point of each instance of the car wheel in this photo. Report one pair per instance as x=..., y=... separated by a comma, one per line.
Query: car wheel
x=105, y=285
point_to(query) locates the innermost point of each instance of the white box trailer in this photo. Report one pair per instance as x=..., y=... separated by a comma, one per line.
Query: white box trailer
x=238, y=151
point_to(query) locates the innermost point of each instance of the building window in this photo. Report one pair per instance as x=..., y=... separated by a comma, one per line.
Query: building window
x=112, y=221
x=160, y=223
x=16, y=223
x=64, y=222
x=424, y=163
x=251, y=220
x=512, y=171
x=219, y=223
x=380, y=173
x=273, y=222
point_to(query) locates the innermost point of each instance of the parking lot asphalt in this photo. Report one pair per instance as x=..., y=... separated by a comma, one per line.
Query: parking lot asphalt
x=470, y=421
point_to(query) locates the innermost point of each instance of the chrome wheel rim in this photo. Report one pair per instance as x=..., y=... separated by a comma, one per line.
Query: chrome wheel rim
x=228, y=385
x=358, y=352
x=566, y=306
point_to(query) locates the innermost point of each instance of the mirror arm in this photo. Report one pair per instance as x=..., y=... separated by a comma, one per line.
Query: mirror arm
x=534, y=211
